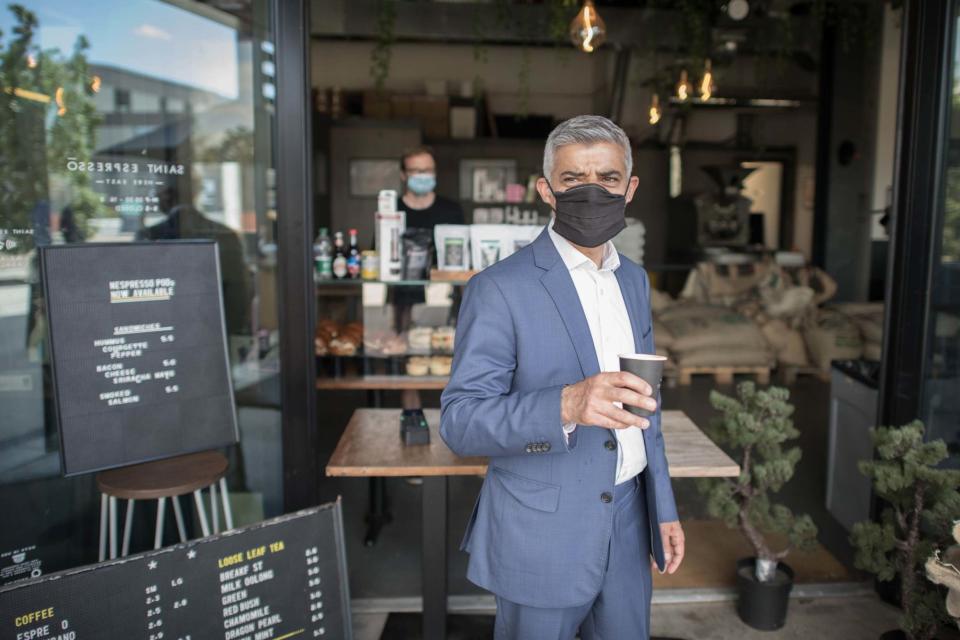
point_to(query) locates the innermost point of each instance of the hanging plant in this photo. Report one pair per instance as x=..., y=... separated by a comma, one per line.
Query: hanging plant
x=380, y=56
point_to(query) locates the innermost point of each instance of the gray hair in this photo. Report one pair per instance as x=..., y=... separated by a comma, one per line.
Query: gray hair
x=585, y=130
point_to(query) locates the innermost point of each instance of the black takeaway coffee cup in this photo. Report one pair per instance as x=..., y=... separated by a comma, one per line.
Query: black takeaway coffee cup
x=647, y=366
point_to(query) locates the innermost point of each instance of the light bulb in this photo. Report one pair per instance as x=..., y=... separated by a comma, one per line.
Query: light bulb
x=587, y=29
x=707, y=86
x=684, y=88
x=737, y=9
x=655, y=112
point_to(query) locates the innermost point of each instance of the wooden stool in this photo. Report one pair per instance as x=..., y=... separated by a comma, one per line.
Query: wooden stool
x=170, y=478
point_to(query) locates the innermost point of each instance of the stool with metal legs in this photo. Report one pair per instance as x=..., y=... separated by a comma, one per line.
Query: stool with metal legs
x=170, y=478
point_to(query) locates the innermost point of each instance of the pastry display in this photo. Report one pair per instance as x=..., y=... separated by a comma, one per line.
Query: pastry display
x=353, y=331
x=418, y=366
x=319, y=345
x=440, y=365
x=344, y=346
x=373, y=342
x=326, y=330
x=441, y=339
x=339, y=340
x=418, y=339
x=394, y=346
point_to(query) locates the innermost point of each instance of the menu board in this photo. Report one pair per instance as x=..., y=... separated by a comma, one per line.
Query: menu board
x=139, y=352
x=279, y=579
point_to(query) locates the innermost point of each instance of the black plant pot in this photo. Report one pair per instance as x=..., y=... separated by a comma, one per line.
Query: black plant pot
x=763, y=605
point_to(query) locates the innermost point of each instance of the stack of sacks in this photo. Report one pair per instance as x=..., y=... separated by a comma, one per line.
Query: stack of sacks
x=832, y=335
x=868, y=316
x=823, y=285
x=786, y=343
x=714, y=336
x=724, y=284
x=662, y=338
x=782, y=309
x=660, y=301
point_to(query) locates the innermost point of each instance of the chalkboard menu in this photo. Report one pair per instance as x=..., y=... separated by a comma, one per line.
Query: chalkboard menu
x=139, y=352
x=279, y=579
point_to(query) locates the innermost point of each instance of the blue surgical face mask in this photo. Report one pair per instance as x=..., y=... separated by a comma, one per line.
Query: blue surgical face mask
x=422, y=183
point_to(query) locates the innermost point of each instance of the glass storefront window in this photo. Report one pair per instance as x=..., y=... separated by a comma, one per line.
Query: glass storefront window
x=123, y=122
x=941, y=400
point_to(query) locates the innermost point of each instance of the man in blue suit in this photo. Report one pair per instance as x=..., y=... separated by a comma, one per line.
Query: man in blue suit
x=577, y=496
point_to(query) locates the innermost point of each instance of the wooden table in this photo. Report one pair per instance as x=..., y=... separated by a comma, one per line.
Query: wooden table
x=371, y=447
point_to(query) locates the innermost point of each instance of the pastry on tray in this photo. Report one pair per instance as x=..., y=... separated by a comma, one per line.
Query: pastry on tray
x=320, y=346
x=441, y=339
x=373, y=342
x=343, y=347
x=418, y=339
x=394, y=346
x=440, y=365
x=418, y=366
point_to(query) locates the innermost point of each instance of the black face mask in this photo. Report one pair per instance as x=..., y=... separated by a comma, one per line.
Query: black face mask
x=588, y=215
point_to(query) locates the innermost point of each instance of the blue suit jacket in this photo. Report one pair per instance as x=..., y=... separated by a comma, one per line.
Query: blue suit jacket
x=539, y=531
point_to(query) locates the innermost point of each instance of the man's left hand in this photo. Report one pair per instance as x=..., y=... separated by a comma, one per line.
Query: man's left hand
x=673, y=545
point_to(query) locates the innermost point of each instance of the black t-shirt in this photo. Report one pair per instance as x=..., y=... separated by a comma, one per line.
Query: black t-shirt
x=442, y=211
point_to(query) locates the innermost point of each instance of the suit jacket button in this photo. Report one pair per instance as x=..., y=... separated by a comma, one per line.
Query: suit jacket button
x=610, y=445
x=606, y=497
x=546, y=446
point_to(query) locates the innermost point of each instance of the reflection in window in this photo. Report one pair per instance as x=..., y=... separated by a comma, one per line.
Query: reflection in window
x=122, y=122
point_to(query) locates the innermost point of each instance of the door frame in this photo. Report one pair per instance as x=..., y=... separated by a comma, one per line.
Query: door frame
x=295, y=287
x=926, y=68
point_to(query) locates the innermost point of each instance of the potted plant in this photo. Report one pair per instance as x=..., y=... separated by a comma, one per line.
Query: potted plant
x=756, y=425
x=920, y=503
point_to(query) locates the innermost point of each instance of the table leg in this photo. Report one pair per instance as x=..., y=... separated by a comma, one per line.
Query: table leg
x=434, y=558
x=378, y=514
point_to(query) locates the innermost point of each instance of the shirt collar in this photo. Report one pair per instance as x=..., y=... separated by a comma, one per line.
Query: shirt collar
x=574, y=259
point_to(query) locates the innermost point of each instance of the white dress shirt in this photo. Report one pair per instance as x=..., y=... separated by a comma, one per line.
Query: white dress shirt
x=606, y=312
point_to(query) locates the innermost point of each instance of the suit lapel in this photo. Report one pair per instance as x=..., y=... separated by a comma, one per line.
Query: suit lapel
x=628, y=287
x=560, y=286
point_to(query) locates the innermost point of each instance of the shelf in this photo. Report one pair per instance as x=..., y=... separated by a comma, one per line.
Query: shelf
x=436, y=276
x=384, y=382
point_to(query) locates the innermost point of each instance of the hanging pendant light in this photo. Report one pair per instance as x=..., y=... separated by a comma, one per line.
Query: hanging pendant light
x=684, y=87
x=587, y=29
x=655, y=111
x=707, y=86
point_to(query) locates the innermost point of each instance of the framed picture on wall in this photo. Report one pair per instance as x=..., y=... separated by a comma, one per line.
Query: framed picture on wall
x=369, y=175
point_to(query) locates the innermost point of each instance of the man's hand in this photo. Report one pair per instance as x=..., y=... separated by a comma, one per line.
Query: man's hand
x=673, y=542
x=590, y=401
